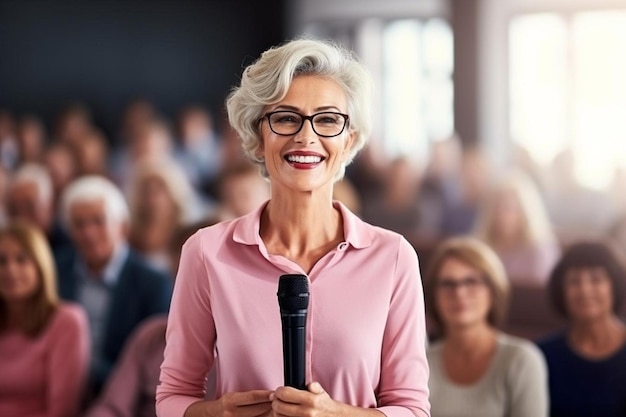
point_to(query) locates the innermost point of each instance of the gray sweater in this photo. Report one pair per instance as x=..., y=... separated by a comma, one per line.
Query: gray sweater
x=514, y=384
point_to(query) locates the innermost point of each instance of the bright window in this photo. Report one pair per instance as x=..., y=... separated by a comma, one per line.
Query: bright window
x=568, y=89
x=417, y=100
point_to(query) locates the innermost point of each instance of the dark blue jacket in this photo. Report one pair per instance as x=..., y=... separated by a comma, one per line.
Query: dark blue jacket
x=141, y=291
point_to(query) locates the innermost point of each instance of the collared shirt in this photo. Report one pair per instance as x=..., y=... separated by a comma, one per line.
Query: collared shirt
x=95, y=293
x=365, y=333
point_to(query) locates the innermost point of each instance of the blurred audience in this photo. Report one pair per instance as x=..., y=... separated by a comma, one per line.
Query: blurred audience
x=73, y=123
x=30, y=196
x=441, y=188
x=587, y=360
x=514, y=222
x=474, y=179
x=151, y=141
x=242, y=189
x=92, y=154
x=161, y=201
x=137, y=113
x=31, y=139
x=617, y=234
x=475, y=369
x=60, y=161
x=345, y=192
x=44, y=343
x=117, y=288
x=199, y=149
x=4, y=182
x=577, y=211
x=397, y=206
x=9, y=152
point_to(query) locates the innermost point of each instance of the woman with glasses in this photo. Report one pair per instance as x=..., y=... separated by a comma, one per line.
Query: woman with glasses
x=587, y=360
x=476, y=369
x=302, y=112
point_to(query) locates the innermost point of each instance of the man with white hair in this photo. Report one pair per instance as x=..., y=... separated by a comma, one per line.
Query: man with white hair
x=30, y=197
x=117, y=288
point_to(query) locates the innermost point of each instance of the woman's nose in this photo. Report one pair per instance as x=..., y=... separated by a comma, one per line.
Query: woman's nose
x=306, y=133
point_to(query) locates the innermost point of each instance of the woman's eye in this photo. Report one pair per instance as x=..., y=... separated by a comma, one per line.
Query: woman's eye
x=286, y=119
x=328, y=120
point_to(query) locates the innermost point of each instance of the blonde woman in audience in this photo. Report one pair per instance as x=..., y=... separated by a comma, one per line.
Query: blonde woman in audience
x=44, y=344
x=514, y=222
x=587, y=360
x=476, y=369
x=161, y=201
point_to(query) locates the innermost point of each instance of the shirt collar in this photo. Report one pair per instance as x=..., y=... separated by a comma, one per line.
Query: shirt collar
x=111, y=272
x=247, y=229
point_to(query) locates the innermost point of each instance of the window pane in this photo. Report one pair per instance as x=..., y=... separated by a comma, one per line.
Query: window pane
x=438, y=65
x=403, y=88
x=417, y=85
x=538, y=83
x=599, y=40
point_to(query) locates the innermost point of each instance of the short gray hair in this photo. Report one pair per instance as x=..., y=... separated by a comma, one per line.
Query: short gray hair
x=32, y=173
x=267, y=80
x=93, y=188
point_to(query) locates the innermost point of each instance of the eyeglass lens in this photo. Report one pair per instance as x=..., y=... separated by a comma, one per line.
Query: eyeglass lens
x=324, y=124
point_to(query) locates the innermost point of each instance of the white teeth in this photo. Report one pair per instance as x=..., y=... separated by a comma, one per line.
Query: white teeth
x=301, y=159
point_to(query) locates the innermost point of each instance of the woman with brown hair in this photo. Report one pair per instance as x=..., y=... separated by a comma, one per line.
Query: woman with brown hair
x=587, y=360
x=475, y=366
x=44, y=343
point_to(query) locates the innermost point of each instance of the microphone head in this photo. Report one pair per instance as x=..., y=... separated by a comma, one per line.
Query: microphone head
x=293, y=292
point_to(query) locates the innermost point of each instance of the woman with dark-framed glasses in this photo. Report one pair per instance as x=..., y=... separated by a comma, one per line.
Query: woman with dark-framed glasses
x=476, y=369
x=302, y=112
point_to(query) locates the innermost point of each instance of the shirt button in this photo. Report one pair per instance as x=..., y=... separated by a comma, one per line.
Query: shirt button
x=343, y=246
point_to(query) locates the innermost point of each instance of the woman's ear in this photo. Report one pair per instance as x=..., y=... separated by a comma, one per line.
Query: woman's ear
x=349, y=144
x=259, y=153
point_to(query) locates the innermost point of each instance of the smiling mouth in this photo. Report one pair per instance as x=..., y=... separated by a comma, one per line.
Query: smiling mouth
x=304, y=159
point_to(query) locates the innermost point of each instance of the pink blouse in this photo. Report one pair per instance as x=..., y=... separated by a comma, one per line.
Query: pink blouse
x=365, y=330
x=45, y=376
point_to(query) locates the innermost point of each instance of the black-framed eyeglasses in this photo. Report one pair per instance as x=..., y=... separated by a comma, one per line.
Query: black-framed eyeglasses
x=325, y=124
x=450, y=285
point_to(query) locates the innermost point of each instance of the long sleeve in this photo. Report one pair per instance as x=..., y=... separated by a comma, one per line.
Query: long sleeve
x=189, y=342
x=528, y=382
x=68, y=362
x=404, y=366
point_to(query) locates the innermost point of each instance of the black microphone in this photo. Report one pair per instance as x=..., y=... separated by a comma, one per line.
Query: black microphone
x=293, y=299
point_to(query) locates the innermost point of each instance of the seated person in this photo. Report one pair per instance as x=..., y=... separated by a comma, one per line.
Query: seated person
x=161, y=201
x=514, y=222
x=117, y=287
x=242, y=189
x=475, y=369
x=44, y=343
x=30, y=196
x=587, y=360
x=130, y=391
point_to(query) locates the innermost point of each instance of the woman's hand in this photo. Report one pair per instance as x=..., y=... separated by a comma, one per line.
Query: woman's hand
x=234, y=404
x=293, y=402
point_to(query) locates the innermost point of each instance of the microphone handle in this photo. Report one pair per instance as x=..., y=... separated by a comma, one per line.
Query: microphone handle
x=294, y=340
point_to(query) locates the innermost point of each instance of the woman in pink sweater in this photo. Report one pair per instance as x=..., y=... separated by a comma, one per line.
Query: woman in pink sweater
x=44, y=344
x=302, y=111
